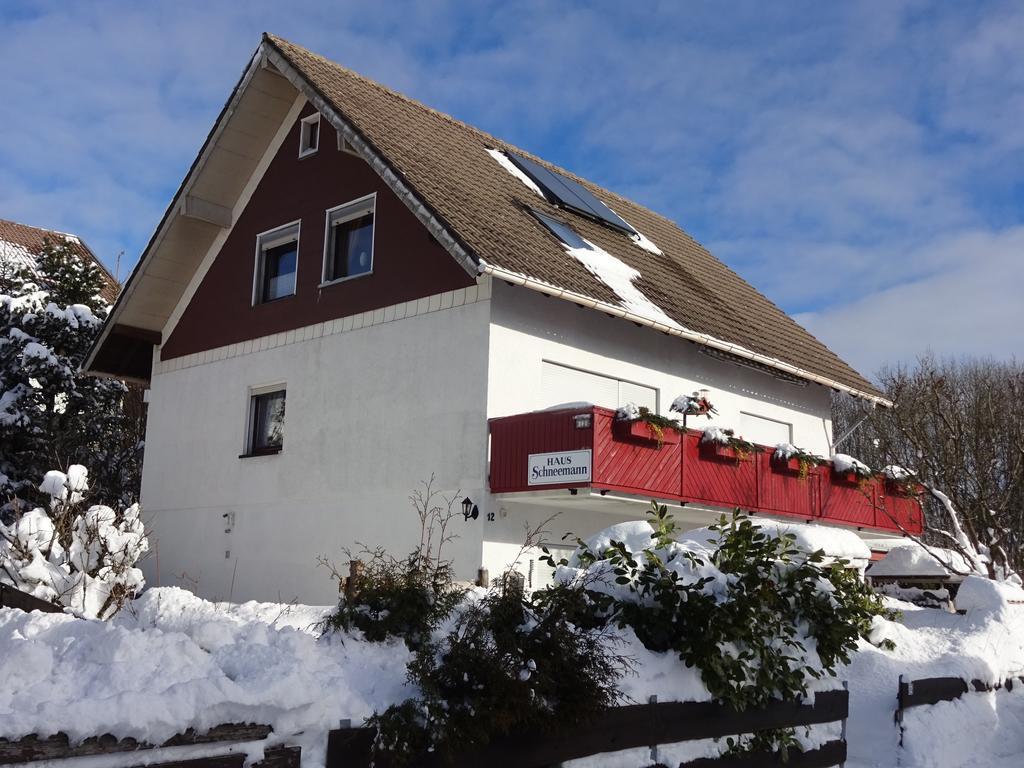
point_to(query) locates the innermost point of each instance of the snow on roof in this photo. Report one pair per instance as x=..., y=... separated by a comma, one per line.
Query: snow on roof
x=620, y=277
x=978, y=593
x=912, y=560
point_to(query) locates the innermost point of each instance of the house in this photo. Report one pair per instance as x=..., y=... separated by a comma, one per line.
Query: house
x=20, y=246
x=351, y=292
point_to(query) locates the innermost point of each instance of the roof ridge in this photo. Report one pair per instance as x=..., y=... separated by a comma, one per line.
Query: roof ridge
x=497, y=141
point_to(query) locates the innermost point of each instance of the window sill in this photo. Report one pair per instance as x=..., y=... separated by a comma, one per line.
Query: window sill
x=263, y=452
x=329, y=283
x=307, y=153
x=274, y=301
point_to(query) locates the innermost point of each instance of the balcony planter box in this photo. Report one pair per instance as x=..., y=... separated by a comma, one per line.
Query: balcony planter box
x=714, y=450
x=848, y=478
x=903, y=490
x=641, y=431
x=790, y=466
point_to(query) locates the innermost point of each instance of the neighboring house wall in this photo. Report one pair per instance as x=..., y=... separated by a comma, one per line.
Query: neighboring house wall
x=407, y=263
x=529, y=333
x=375, y=405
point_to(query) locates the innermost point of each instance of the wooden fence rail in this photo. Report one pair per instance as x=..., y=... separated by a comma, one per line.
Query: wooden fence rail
x=58, y=747
x=932, y=690
x=639, y=725
x=15, y=598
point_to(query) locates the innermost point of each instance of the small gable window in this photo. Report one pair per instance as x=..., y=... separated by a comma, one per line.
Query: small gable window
x=348, y=240
x=309, y=135
x=277, y=254
x=266, y=421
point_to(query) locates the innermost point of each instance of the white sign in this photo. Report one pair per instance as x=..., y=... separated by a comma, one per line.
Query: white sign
x=559, y=467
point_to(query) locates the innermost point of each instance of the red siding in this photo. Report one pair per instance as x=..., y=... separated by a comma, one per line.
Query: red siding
x=629, y=463
x=407, y=262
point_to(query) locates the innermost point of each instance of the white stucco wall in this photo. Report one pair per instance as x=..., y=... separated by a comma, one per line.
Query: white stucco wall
x=371, y=412
x=528, y=329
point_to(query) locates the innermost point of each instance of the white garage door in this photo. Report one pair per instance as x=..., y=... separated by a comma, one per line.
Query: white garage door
x=562, y=384
x=758, y=429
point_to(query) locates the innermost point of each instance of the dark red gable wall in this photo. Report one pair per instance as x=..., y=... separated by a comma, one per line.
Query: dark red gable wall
x=407, y=262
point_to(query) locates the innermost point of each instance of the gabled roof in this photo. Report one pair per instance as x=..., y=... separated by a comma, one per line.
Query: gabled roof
x=446, y=163
x=21, y=244
x=480, y=212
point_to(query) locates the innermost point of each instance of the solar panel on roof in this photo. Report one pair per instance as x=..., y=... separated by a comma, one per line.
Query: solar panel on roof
x=568, y=193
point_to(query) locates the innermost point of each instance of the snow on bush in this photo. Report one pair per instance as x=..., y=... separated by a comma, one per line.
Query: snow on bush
x=757, y=613
x=82, y=559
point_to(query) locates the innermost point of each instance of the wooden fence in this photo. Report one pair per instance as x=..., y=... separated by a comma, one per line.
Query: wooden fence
x=15, y=598
x=58, y=747
x=636, y=726
x=932, y=690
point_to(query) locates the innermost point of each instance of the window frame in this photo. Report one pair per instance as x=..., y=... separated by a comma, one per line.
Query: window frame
x=249, y=446
x=305, y=125
x=330, y=221
x=266, y=241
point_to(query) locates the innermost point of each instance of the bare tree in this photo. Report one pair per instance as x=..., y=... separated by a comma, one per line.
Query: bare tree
x=959, y=426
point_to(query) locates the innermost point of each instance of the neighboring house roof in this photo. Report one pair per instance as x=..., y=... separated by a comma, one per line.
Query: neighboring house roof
x=479, y=211
x=20, y=244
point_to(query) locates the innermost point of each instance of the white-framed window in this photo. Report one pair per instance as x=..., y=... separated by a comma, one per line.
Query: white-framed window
x=277, y=261
x=309, y=135
x=348, y=240
x=265, y=426
x=344, y=146
x=764, y=431
x=564, y=384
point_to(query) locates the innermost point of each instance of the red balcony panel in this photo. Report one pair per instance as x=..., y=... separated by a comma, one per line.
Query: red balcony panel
x=628, y=460
x=720, y=480
x=850, y=503
x=784, y=492
x=897, y=511
x=632, y=463
x=514, y=438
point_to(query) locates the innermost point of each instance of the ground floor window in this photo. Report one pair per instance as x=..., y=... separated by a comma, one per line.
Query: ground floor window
x=266, y=422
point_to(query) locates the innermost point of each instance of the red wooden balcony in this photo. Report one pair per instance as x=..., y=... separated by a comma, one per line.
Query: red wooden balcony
x=585, y=447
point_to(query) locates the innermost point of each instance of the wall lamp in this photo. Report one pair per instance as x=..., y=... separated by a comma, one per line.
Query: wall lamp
x=469, y=509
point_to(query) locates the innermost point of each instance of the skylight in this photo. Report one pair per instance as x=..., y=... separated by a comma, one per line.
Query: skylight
x=568, y=194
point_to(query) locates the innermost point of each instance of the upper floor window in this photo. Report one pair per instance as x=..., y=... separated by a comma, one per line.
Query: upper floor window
x=266, y=421
x=277, y=254
x=348, y=240
x=309, y=135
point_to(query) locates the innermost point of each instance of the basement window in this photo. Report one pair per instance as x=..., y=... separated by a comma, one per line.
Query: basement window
x=348, y=240
x=309, y=135
x=266, y=422
x=277, y=253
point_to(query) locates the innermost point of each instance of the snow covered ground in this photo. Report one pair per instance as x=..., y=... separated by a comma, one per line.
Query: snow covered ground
x=177, y=661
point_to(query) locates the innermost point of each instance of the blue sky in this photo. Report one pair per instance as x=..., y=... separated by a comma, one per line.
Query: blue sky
x=862, y=163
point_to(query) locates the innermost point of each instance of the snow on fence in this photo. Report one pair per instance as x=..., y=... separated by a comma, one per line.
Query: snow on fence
x=932, y=690
x=224, y=742
x=630, y=727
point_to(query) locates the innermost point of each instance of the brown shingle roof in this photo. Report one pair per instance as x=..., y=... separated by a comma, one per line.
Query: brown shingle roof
x=445, y=162
x=28, y=241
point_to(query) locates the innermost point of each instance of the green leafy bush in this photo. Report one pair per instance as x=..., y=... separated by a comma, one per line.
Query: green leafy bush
x=759, y=618
x=392, y=598
x=505, y=666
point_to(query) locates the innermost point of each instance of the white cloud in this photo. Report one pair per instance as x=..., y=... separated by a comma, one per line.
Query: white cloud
x=974, y=306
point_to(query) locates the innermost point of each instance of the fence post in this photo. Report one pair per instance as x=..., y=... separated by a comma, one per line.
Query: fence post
x=842, y=733
x=654, y=747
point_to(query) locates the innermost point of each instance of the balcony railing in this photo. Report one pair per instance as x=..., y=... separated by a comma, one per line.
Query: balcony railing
x=586, y=448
